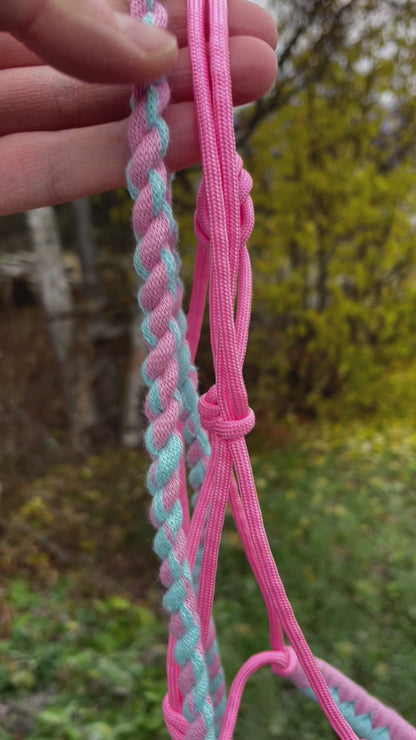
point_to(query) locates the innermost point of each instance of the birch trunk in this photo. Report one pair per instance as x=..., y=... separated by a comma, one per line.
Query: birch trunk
x=87, y=250
x=56, y=300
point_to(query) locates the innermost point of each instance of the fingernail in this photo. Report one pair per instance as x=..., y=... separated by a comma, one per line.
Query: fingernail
x=152, y=41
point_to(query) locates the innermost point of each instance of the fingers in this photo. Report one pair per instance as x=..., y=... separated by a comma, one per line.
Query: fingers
x=15, y=54
x=253, y=71
x=89, y=40
x=42, y=99
x=246, y=19
x=47, y=168
x=90, y=154
x=53, y=100
x=183, y=149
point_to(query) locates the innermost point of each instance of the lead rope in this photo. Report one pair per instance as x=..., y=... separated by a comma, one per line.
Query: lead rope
x=193, y=707
x=224, y=409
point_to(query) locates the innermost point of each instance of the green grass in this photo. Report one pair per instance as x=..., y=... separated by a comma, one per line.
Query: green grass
x=340, y=510
x=341, y=518
x=80, y=671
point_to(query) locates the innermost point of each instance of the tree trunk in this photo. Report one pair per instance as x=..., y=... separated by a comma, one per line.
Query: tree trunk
x=133, y=421
x=71, y=350
x=87, y=250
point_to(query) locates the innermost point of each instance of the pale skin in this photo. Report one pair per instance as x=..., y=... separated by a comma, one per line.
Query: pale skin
x=66, y=70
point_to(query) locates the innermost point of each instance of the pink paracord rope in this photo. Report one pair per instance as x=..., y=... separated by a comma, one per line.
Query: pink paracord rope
x=224, y=409
x=223, y=223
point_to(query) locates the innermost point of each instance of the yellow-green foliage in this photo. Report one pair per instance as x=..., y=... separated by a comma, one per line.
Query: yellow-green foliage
x=334, y=250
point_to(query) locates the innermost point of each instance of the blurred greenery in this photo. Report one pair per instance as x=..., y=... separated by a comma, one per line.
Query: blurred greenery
x=82, y=655
x=334, y=251
x=80, y=668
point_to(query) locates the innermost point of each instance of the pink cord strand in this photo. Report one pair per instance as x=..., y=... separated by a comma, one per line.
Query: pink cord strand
x=228, y=273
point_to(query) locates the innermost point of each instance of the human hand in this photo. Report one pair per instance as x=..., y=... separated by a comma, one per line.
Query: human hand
x=63, y=134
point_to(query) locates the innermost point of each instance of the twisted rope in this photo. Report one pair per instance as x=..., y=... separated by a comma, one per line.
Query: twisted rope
x=368, y=717
x=164, y=330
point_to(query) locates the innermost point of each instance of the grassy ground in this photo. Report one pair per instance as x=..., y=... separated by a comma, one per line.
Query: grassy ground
x=82, y=648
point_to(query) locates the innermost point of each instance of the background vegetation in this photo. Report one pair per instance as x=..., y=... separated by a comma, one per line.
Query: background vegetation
x=331, y=374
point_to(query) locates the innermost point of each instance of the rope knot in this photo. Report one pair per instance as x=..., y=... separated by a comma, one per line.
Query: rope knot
x=202, y=221
x=212, y=420
x=285, y=663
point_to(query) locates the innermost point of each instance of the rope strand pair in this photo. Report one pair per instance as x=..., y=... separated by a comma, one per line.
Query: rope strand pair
x=188, y=547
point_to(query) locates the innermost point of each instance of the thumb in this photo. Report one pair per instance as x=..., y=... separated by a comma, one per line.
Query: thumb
x=89, y=40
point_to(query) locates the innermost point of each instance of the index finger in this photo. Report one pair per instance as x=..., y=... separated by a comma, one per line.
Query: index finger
x=246, y=19
x=89, y=40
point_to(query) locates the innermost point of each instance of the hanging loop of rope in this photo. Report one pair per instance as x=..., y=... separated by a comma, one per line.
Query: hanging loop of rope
x=219, y=468
x=229, y=271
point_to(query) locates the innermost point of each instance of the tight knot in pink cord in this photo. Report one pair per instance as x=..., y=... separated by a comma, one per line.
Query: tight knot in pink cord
x=213, y=421
x=202, y=222
x=289, y=665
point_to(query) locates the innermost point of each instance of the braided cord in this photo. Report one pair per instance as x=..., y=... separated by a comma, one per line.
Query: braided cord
x=369, y=718
x=166, y=375
x=361, y=723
